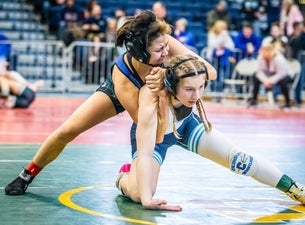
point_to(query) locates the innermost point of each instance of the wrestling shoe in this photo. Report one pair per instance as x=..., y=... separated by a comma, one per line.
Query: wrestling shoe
x=125, y=169
x=297, y=193
x=20, y=184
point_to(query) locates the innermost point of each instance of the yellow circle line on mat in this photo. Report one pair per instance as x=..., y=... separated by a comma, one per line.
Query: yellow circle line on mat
x=65, y=199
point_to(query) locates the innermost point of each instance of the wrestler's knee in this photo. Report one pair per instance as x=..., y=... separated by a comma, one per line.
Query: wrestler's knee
x=66, y=133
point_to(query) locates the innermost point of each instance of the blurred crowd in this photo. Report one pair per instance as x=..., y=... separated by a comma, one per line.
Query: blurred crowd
x=69, y=20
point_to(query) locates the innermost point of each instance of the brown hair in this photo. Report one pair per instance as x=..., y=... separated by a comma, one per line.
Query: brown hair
x=219, y=26
x=147, y=23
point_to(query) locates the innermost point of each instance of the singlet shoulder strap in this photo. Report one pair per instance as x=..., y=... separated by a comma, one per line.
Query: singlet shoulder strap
x=131, y=75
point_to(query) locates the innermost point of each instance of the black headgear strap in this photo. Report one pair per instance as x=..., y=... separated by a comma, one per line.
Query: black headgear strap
x=190, y=74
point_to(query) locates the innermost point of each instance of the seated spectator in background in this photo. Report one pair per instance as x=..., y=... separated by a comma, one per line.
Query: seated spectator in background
x=72, y=17
x=45, y=14
x=254, y=12
x=277, y=39
x=15, y=91
x=219, y=41
x=183, y=35
x=111, y=29
x=219, y=47
x=94, y=28
x=247, y=41
x=160, y=10
x=120, y=16
x=220, y=12
x=86, y=11
x=273, y=69
x=289, y=14
x=51, y=14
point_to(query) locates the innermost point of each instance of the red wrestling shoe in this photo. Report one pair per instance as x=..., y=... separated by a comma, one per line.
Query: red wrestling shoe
x=125, y=169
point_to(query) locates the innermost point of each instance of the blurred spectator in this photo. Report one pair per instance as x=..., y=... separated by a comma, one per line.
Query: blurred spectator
x=47, y=4
x=247, y=41
x=219, y=47
x=183, y=35
x=273, y=69
x=254, y=12
x=277, y=39
x=120, y=16
x=119, y=13
x=110, y=37
x=56, y=2
x=290, y=13
x=71, y=19
x=220, y=12
x=160, y=10
x=89, y=7
x=137, y=12
x=296, y=44
x=51, y=14
x=94, y=28
x=111, y=29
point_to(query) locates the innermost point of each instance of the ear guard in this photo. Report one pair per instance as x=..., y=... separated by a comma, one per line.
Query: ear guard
x=136, y=46
x=171, y=79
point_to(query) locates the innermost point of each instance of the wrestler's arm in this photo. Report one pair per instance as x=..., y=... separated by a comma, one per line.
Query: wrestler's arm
x=149, y=104
x=127, y=93
x=146, y=137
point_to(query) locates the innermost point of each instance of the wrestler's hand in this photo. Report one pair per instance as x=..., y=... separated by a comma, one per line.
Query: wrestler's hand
x=155, y=79
x=160, y=204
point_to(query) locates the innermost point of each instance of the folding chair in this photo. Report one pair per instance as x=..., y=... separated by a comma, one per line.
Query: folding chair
x=240, y=84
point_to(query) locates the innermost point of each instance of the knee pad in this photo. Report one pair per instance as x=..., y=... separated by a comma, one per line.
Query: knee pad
x=243, y=163
x=25, y=98
x=29, y=94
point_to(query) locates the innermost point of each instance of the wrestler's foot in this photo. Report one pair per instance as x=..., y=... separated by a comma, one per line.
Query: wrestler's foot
x=20, y=184
x=125, y=169
x=297, y=193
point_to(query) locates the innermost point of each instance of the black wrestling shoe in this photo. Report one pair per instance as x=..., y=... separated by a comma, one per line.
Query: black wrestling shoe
x=20, y=184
